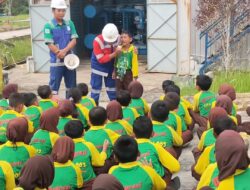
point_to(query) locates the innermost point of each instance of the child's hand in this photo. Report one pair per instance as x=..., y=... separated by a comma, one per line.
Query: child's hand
x=145, y=162
x=56, y=98
x=135, y=50
x=114, y=75
x=105, y=145
x=118, y=50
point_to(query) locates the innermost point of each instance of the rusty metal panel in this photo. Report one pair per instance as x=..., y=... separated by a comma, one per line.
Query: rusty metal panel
x=162, y=36
x=40, y=14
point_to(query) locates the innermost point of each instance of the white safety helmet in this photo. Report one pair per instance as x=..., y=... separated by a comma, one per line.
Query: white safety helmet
x=58, y=4
x=110, y=33
x=71, y=61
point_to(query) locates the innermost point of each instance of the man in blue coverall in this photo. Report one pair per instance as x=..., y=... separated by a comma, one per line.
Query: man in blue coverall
x=60, y=36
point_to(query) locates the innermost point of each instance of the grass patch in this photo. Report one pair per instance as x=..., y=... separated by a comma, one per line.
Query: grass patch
x=239, y=79
x=6, y=22
x=18, y=51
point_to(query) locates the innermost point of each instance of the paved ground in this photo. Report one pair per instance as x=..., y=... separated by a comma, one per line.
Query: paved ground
x=152, y=85
x=16, y=33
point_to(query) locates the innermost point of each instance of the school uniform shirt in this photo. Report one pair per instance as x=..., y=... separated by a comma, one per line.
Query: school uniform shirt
x=7, y=179
x=5, y=118
x=140, y=105
x=158, y=155
x=165, y=135
x=34, y=114
x=175, y=122
x=83, y=114
x=98, y=134
x=88, y=102
x=16, y=155
x=130, y=114
x=238, y=181
x=43, y=141
x=231, y=116
x=46, y=104
x=61, y=124
x=207, y=139
x=120, y=127
x=234, y=109
x=4, y=104
x=203, y=102
x=67, y=176
x=207, y=157
x=127, y=61
x=184, y=114
x=86, y=156
x=134, y=175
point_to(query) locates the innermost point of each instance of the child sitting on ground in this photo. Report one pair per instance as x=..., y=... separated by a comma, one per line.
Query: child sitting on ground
x=130, y=172
x=7, y=91
x=32, y=111
x=86, y=155
x=202, y=102
x=135, y=89
x=16, y=105
x=86, y=101
x=45, y=94
x=126, y=66
x=83, y=113
x=115, y=119
x=97, y=134
x=162, y=161
x=163, y=134
x=129, y=114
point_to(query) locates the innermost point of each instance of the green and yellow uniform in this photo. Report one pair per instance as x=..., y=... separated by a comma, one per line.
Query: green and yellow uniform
x=88, y=102
x=83, y=114
x=175, y=122
x=7, y=179
x=159, y=156
x=127, y=61
x=207, y=139
x=67, y=176
x=238, y=181
x=165, y=135
x=140, y=105
x=86, y=156
x=5, y=118
x=130, y=114
x=46, y=104
x=34, y=113
x=207, y=157
x=234, y=109
x=184, y=114
x=16, y=155
x=120, y=127
x=140, y=177
x=98, y=134
x=61, y=124
x=43, y=141
x=203, y=102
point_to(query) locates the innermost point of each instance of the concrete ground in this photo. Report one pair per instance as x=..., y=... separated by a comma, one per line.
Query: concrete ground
x=15, y=33
x=28, y=82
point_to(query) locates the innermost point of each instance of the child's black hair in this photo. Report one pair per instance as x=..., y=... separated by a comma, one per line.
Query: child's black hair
x=29, y=99
x=173, y=88
x=98, y=116
x=223, y=123
x=159, y=111
x=75, y=95
x=126, y=149
x=172, y=99
x=123, y=97
x=84, y=89
x=74, y=129
x=166, y=83
x=204, y=82
x=127, y=33
x=15, y=100
x=143, y=127
x=44, y=91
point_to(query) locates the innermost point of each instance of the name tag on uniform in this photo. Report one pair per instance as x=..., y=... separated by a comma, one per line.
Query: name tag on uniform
x=68, y=28
x=47, y=31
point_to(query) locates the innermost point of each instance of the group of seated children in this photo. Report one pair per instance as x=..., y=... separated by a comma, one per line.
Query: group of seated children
x=74, y=144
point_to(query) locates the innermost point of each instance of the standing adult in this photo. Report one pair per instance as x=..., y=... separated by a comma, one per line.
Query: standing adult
x=105, y=49
x=60, y=36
